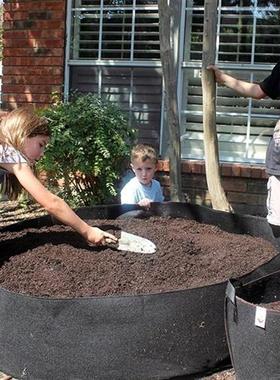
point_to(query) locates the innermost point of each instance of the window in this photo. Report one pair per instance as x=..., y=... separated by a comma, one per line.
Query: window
x=114, y=51
x=248, y=39
x=125, y=30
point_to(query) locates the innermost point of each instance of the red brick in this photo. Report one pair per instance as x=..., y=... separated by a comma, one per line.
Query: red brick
x=253, y=199
x=27, y=98
x=245, y=193
x=34, y=25
x=160, y=165
x=186, y=166
x=196, y=167
x=14, y=16
x=9, y=34
x=226, y=170
x=196, y=181
x=32, y=70
x=29, y=61
x=40, y=5
x=236, y=170
x=33, y=64
x=56, y=34
x=256, y=172
x=203, y=170
x=193, y=166
x=15, y=104
x=32, y=43
x=27, y=52
x=163, y=165
x=234, y=184
x=257, y=186
x=17, y=25
x=245, y=171
x=32, y=79
x=30, y=89
x=46, y=15
x=264, y=174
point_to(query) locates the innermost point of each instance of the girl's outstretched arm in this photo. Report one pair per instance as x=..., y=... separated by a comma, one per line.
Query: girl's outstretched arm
x=57, y=206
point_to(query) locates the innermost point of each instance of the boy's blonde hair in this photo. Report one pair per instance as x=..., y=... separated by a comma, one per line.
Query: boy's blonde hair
x=14, y=129
x=143, y=152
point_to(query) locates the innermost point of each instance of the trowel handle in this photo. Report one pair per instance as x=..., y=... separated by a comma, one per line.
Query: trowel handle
x=111, y=244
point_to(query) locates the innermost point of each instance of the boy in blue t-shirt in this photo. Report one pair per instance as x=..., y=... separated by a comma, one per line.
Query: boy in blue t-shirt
x=142, y=189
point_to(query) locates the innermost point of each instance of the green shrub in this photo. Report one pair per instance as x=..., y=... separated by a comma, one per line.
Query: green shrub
x=89, y=149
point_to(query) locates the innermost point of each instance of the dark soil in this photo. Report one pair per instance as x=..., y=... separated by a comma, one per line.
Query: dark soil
x=272, y=305
x=57, y=262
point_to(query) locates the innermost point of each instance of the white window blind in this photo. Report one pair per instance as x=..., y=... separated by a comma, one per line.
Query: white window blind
x=248, y=36
x=137, y=90
x=115, y=30
x=124, y=35
x=115, y=53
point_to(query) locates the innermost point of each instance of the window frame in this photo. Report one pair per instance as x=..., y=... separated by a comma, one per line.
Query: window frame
x=247, y=68
x=183, y=65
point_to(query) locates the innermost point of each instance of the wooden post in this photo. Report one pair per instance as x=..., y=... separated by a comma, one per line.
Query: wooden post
x=218, y=197
x=169, y=69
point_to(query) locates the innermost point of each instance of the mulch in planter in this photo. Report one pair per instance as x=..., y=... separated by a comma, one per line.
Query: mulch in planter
x=272, y=305
x=56, y=262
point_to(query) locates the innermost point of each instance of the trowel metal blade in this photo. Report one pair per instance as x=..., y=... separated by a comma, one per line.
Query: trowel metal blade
x=134, y=243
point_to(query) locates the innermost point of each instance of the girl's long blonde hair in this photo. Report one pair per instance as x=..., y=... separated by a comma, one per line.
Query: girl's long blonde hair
x=14, y=129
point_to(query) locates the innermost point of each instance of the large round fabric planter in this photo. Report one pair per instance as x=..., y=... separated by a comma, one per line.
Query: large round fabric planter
x=253, y=329
x=152, y=336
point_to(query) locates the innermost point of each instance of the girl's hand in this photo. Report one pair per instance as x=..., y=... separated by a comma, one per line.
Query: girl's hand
x=97, y=236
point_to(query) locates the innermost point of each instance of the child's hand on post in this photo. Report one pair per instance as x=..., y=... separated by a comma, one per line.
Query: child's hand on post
x=218, y=74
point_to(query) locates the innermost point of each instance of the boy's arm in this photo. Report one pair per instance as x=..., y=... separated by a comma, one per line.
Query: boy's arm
x=243, y=88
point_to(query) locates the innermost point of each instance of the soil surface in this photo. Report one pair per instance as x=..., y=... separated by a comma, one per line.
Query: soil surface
x=57, y=262
x=271, y=306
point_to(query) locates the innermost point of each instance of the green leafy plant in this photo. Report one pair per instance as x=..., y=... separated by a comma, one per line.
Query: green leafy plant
x=88, y=151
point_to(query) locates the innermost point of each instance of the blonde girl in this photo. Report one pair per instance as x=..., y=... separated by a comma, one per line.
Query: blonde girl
x=23, y=138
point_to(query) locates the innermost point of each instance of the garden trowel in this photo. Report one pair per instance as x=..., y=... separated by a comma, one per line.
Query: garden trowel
x=133, y=243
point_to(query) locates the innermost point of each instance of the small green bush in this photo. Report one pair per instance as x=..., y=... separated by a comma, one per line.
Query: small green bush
x=89, y=149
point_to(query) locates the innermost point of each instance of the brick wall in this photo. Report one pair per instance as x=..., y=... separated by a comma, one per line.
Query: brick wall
x=33, y=39
x=244, y=185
